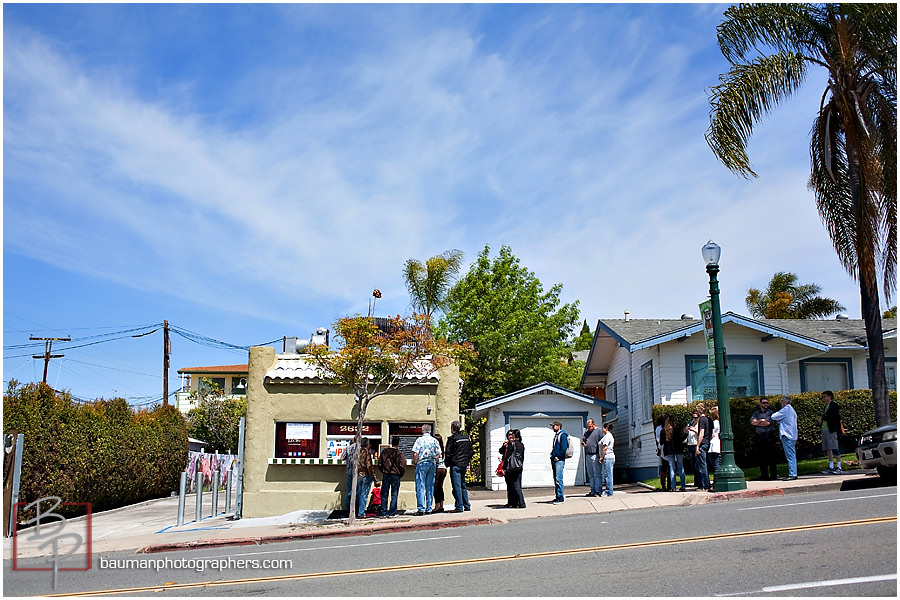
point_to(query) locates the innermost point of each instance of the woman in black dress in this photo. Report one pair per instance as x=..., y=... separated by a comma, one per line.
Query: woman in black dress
x=513, y=452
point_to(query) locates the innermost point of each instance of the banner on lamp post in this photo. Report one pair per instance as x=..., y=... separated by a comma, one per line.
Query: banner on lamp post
x=706, y=311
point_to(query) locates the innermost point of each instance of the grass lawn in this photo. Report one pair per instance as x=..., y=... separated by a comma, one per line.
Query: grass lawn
x=804, y=467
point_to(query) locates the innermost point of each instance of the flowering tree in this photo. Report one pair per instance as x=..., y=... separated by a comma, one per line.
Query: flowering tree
x=378, y=356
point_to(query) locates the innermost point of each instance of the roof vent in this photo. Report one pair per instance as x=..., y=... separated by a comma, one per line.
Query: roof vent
x=842, y=317
x=627, y=316
x=294, y=345
x=687, y=317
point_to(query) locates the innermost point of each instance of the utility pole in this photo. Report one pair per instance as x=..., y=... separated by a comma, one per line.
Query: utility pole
x=167, y=349
x=48, y=344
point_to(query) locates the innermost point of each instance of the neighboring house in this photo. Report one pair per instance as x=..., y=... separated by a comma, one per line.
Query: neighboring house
x=636, y=363
x=531, y=411
x=299, y=425
x=231, y=380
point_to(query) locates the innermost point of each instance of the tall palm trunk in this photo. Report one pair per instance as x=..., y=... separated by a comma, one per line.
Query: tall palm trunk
x=868, y=291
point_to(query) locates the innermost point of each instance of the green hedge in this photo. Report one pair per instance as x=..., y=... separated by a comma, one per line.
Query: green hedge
x=857, y=415
x=101, y=452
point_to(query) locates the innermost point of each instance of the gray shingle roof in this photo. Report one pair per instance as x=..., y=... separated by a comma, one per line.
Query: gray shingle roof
x=834, y=333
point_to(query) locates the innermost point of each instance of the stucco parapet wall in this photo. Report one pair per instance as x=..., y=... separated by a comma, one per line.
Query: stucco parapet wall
x=294, y=368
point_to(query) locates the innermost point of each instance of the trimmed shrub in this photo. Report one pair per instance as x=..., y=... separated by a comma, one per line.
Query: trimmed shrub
x=857, y=415
x=102, y=452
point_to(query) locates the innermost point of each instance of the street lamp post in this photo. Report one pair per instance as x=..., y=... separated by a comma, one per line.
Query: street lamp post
x=729, y=476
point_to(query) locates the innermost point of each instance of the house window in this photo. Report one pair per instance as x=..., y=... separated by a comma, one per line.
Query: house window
x=219, y=382
x=611, y=393
x=238, y=386
x=745, y=377
x=890, y=372
x=819, y=374
x=647, y=391
x=296, y=440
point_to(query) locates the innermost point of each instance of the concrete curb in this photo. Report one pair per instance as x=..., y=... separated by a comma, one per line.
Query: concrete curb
x=306, y=535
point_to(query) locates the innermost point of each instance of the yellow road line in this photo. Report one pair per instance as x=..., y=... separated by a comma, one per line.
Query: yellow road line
x=489, y=559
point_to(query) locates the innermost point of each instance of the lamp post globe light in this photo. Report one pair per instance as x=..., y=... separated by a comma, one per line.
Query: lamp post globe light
x=729, y=476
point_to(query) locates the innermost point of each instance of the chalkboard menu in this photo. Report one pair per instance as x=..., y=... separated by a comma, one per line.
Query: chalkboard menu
x=405, y=434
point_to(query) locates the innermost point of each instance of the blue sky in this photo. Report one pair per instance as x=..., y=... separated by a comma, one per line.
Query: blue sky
x=254, y=171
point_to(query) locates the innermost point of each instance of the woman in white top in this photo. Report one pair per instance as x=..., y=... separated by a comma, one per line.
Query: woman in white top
x=714, y=456
x=607, y=458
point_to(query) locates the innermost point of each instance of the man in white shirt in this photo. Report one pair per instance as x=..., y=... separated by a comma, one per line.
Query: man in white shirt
x=787, y=428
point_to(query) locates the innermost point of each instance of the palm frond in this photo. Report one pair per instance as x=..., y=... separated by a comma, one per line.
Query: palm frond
x=745, y=94
x=786, y=27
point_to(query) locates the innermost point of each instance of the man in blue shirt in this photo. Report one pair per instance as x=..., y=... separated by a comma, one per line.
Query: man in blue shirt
x=558, y=458
x=787, y=427
x=426, y=451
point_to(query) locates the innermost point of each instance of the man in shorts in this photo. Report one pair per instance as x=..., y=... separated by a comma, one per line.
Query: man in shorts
x=831, y=427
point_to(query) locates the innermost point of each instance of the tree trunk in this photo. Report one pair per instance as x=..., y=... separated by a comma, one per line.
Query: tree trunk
x=868, y=293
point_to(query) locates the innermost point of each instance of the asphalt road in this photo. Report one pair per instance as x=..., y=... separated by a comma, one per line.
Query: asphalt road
x=823, y=544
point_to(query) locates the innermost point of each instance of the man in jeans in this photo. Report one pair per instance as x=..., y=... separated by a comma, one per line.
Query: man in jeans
x=591, y=443
x=831, y=427
x=787, y=427
x=457, y=454
x=426, y=451
x=558, y=459
x=392, y=465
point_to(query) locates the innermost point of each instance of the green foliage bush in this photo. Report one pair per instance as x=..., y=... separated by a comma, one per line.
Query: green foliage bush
x=857, y=415
x=101, y=452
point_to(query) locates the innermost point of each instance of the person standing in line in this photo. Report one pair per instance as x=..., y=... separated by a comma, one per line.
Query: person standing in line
x=673, y=450
x=831, y=427
x=714, y=457
x=392, y=465
x=704, y=438
x=366, y=470
x=765, y=441
x=513, y=445
x=426, y=451
x=458, y=453
x=440, y=473
x=787, y=428
x=591, y=443
x=691, y=440
x=607, y=457
x=664, y=481
x=558, y=459
x=349, y=456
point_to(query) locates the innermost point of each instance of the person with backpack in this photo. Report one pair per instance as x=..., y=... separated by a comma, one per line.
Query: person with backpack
x=458, y=453
x=558, y=455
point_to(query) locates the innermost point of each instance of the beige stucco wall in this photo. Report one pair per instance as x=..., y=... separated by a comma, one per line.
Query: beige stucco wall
x=279, y=489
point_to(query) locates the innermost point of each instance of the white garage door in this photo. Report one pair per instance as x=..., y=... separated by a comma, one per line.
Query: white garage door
x=537, y=436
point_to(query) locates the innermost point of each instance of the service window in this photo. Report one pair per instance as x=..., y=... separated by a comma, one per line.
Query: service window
x=296, y=440
x=405, y=434
x=339, y=436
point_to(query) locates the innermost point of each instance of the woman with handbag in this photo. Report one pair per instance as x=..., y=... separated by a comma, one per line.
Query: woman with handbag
x=513, y=454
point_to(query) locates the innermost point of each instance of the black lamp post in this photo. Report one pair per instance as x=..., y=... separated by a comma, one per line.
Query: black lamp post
x=728, y=476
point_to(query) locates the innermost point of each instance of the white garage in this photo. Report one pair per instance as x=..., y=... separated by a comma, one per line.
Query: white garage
x=531, y=411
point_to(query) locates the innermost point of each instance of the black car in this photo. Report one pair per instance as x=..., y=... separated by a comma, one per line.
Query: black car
x=878, y=449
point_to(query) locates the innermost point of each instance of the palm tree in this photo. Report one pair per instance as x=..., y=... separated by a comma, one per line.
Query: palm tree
x=853, y=146
x=783, y=298
x=429, y=284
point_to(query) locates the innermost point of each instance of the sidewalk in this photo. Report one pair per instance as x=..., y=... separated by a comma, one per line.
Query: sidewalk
x=150, y=526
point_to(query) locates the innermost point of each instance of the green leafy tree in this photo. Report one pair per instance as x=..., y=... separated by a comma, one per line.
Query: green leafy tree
x=378, y=357
x=784, y=298
x=216, y=419
x=519, y=332
x=429, y=283
x=890, y=313
x=584, y=340
x=853, y=147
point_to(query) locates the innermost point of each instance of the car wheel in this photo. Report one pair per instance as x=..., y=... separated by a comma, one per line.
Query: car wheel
x=888, y=474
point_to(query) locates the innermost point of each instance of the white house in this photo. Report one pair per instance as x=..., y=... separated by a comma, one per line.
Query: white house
x=531, y=411
x=636, y=363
